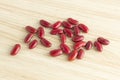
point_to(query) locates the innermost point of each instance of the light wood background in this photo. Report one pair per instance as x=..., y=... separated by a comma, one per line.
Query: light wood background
x=102, y=17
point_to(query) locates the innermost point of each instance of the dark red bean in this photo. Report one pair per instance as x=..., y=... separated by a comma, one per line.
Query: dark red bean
x=103, y=40
x=56, y=25
x=45, y=23
x=83, y=27
x=56, y=31
x=15, y=49
x=72, y=21
x=66, y=24
x=76, y=30
x=81, y=54
x=72, y=56
x=79, y=44
x=98, y=46
x=55, y=52
x=88, y=45
x=78, y=38
x=65, y=48
x=68, y=32
x=33, y=44
x=63, y=38
x=40, y=32
x=28, y=37
x=30, y=29
x=45, y=42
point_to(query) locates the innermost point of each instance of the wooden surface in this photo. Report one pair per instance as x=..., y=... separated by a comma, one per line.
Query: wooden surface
x=102, y=17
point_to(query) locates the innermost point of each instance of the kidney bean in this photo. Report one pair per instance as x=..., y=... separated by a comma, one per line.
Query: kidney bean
x=33, y=44
x=15, y=49
x=28, y=37
x=78, y=38
x=45, y=42
x=76, y=30
x=66, y=24
x=68, y=32
x=88, y=45
x=73, y=55
x=45, y=23
x=103, y=40
x=55, y=52
x=72, y=21
x=79, y=44
x=83, y=27
x=56, y=25
x=56, y=31
x=65, y=48
x=30, y=29
x=63, y=38
x=98, y=46
x=81, y=54
x=40, y=32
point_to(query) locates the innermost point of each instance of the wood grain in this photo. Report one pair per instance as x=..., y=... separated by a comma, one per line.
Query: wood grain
x=102, y=17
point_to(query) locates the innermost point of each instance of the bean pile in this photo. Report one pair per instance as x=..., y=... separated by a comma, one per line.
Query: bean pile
x=72, y=29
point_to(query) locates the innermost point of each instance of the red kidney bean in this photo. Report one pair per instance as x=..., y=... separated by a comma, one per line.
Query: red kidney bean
x=76, y=30
x=33, y=44
x=45, y=42
x=83, y=27
x=30, y=29
x=56, y=31
x=28, y=38
x=88, y=45
x=40, y=32
x=103, y=40
x=81, y=54
x=79, y=44
x=78, y=38
x=66, y=24
x=55, y=52
x=65, y=48
x=98, y=46
x=72, y=56
x=63, y=38
x=68, y=32
x=72, y=21
x=15, y=49
x=56, y=25
x=45, y=23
